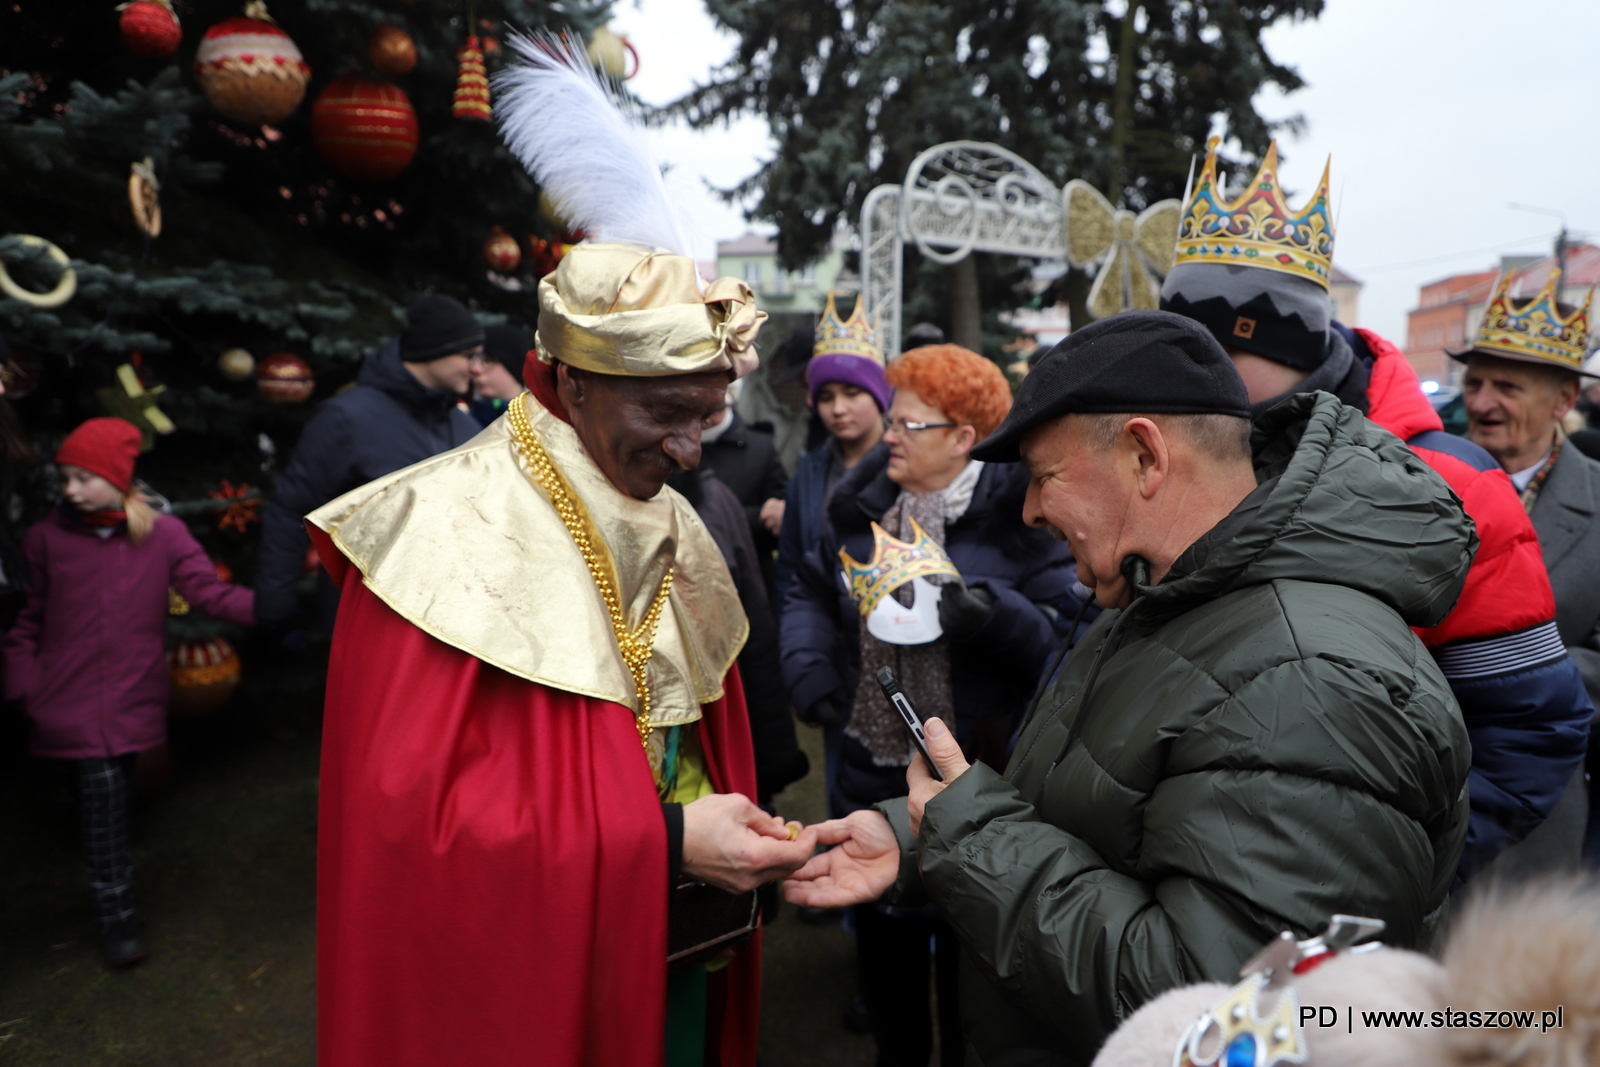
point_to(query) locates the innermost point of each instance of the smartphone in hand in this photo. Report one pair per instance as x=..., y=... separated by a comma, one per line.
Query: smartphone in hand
x=908, y=715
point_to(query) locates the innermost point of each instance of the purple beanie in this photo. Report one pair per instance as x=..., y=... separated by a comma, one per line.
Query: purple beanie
x=859, y=371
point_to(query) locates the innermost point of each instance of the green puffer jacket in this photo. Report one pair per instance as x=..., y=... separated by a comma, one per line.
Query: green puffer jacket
x=1258, y=742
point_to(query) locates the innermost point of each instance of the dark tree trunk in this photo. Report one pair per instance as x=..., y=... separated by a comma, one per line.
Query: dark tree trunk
x=966, y=311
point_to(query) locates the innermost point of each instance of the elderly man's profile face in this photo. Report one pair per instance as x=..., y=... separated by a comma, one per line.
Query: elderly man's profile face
x=1513, y=407
x=1081, y=498
x=640, y=430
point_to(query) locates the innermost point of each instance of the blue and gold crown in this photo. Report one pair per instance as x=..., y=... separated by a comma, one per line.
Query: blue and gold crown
x=1235, y=1032
x=894, y=563
x=846, y=337
x=1534, y=331
x=1258, y=229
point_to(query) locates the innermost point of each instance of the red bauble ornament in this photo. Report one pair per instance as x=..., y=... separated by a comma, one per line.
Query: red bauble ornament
x=500, y=251
x=285, y=378
x=204, y=675
x=392, y=51
x=365, y=129
x=150, y=27
x=250, y=70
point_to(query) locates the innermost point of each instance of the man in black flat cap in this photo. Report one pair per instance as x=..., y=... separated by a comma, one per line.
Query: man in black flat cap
x=405, y=407
x=1250, y=739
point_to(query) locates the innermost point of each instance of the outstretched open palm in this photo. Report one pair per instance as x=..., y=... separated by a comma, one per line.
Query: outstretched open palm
x=860, y=869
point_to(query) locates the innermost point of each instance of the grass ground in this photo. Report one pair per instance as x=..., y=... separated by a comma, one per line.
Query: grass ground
x=225, y=867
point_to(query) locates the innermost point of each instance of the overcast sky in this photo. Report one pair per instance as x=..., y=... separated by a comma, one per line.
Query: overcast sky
x=1437, y=113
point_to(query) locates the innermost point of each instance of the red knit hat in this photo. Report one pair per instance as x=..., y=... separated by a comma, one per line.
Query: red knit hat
x=107, y=447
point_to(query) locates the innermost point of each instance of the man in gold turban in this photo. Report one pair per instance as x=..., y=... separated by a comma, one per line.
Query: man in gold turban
x=535, y=731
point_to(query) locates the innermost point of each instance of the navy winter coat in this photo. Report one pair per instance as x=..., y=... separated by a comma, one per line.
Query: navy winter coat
x=803, y=513
x=388, y=421
x=993, y=673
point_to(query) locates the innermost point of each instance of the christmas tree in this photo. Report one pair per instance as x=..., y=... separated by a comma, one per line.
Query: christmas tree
x=237, y=223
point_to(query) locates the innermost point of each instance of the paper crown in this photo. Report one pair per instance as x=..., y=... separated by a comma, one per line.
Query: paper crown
x=841, y=337
x=1258, y=1022
x=1258, y=229
x=894, y=563
x=1534, y=330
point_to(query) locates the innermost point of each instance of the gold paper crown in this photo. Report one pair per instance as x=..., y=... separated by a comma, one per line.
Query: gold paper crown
x=1258, y=229
x=894, y=563
x=852, y=337
x=1533, y=331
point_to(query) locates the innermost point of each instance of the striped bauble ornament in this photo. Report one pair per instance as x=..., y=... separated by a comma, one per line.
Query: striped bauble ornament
x=364, y=129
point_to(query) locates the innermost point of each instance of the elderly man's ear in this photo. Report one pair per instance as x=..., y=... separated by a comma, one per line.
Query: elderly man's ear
x=1150, y=451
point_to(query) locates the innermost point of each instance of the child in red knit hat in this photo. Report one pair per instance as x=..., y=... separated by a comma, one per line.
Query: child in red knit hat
x=87, y=656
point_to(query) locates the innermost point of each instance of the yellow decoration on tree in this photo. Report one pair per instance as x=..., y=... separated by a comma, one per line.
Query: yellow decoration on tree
x=65, y=287
x=136, y=404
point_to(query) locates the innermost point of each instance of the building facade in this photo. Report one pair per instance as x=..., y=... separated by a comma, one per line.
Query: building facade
x=753, y=259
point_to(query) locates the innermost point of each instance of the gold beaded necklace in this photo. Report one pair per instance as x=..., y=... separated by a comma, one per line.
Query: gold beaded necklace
x=635, y=645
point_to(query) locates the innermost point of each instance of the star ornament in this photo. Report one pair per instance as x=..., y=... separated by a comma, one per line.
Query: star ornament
x=131, y=401
x=1134, y=252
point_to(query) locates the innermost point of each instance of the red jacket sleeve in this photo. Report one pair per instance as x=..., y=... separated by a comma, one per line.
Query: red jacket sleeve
x=1507, y=589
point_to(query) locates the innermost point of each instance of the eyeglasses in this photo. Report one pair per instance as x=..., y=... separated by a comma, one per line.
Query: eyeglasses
x=903, y=426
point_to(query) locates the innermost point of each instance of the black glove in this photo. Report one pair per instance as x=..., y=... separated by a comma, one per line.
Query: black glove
x=962, y=611
x=829, y=710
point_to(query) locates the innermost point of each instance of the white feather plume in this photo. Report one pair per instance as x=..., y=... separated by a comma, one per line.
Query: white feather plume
x=563, y=120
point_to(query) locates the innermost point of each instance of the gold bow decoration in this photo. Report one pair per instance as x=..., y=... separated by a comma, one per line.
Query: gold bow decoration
x=739, y=322
x=1134, y=251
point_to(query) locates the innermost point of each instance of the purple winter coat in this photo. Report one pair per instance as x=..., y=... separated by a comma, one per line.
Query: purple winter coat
x=87, y=656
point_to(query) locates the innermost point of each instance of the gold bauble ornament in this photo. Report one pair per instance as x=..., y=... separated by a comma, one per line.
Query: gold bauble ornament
x=392, y=51
x=236, y=364
x=609, y=52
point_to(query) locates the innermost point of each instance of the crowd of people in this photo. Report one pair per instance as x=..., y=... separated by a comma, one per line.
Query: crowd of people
x=1218, y=641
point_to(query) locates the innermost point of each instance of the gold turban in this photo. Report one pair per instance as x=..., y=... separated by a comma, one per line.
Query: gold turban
x=624, y=309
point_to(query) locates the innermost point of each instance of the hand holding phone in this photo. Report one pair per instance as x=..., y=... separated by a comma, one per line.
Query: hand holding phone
x=908, y=715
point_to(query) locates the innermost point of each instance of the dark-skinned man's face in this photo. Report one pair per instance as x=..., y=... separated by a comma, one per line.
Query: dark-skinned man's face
x=639, y=430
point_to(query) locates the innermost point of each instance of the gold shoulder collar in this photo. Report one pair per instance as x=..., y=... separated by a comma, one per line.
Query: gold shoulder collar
x=468, y=548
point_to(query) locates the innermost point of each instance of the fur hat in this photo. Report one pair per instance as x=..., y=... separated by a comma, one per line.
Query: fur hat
x=1528, y=958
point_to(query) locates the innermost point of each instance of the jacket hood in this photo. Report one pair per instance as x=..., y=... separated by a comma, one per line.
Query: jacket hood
x=382, y=370
x=1397, y=401
x=1352, y=506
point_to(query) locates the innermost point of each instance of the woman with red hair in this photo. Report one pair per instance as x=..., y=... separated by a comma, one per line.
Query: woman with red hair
x=1000, y=622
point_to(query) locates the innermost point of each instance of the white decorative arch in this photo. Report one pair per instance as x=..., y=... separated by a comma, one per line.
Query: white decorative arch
x=963, y=197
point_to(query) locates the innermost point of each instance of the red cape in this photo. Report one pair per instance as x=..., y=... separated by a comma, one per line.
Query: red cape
x=492, y=868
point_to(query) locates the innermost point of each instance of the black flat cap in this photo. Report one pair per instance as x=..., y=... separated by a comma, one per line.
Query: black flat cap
x=1145, y=362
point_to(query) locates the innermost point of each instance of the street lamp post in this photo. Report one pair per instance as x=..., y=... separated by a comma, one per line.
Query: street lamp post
x=1561, y=242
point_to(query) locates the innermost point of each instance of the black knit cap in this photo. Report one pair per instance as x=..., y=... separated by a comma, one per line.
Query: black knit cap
x=1137, y=362
x=507, y=344
x=438, y=326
